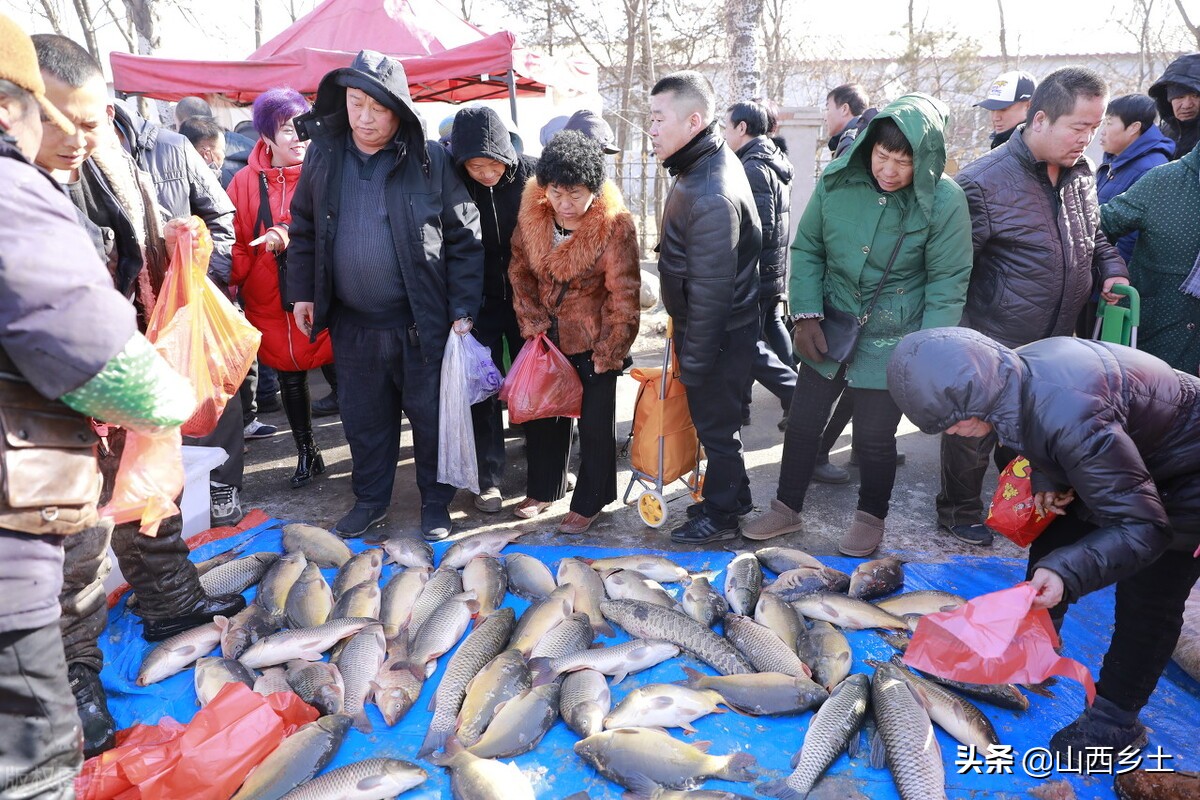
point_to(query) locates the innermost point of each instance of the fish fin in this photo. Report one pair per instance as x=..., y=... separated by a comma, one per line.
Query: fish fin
x=641, y=784
x=434, y=740
x=688, y=728
x=583, y=796
x=878, y=751
x=310, y=655
x=430, y=667
x=1040, y=689
x=221, y=622
x=796, y=758
x=539, y=669
x=702, y=746
x=740, y=768
x=604, y=629
x=619, y=676
x=779, y=789
x=709, y=574
x=361, y=723
x=853, y=746
x=693, y=676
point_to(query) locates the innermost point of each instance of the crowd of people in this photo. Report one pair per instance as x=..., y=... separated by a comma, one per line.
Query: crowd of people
x=347, y=236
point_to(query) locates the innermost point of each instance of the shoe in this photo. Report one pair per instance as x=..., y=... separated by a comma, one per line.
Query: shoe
x=704, y=529
x=358, y=520
x=575, y=524
x=435, y=522
x=260, y=430
x=863, y=536
x=529, y=508
x=226, y=605
x=697, y=509
x=830, y=473
x=783, y=422
x=327, y=406
x=1141, y=784
x=1103, y=724
x=775, y=521
x=309, y=461
x=489, y=500
x=225, y=505
x=977, y=534
x=269, y=403
x=99, y=728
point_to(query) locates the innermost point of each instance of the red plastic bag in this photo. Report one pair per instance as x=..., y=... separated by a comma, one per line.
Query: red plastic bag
x=148, y=480
x=199, y=332
x=995, y=638
x=207, y=759
x=542, y=383
x=1012, y=513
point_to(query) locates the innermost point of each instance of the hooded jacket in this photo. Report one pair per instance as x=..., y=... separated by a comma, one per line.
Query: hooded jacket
x=479, y=133
x=435, y=226
x=1117, y=174
x=1184, y=71
x=850, y=229
x=1036, y=245
x=256, y=271
x=770, y=175
x=1117, y=425
x=709, y=243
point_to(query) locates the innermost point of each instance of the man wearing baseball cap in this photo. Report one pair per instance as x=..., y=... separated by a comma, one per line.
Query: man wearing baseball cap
x=1008, y=101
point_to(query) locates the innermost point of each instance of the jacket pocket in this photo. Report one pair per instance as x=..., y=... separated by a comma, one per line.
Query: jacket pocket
x=425, y=226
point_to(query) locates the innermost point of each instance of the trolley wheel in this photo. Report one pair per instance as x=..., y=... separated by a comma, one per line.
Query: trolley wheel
x=652, y=508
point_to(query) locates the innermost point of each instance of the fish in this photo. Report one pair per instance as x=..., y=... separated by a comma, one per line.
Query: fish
x=617, y=661
x=486, y=576
x=310, y=602
x=399, y=595
x=528, y=578
x=362, y=567
x=359, y=663
x=589, y=592
x=479, y=648
x=762, y=693
x=656, y=568
x=628, y=584
x=781, y=559
x=225, y=557
x=1001, y=695
x=832, y=729
x=443, y=584
x=958, y=717
x=244, y=628
x=398, y=683
x=664, y=705
x=541, y=617
x=502, y=678
x=520, y=723
x=827, y=652
x=490, y=543
x=762, y=648
x=178, y=653
x=317, y=544
x=303, y=643
x=213, y=673
x=743, y=583
x=801, y=581
x=642, y=759
x=297, y=759
x=775, y=613
x=687, y=794
x=272, y=680
x=360, y=600
x=648, y=621
x=585, y=701
x=442, y=630
x=907, y=737
x=371, y=779
x=237, y=576
x=876, y=578
x=702, y=602
x=408, y=551
x=475, y=778
x=924, y=601
x=573, y=634
x=846, y=612
x=273, y=589
x=318, y=683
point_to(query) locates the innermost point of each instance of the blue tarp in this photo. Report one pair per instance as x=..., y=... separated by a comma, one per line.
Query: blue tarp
x=557, y=772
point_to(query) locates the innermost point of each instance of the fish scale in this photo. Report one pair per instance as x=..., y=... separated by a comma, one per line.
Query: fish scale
x=306, y=643
x=236, y=576
x=702, y=602
x=743, y=583
x=359, y=662
x=371, y=779
x=398, y=597
x=589, y=591
x=618, y=660
x=442, y=630
x=487, y=577
x=585, y=701
x=297, y=759
x=569, y=636
x=442, y=585
x=528, y=578
x=364, y=566
x=830, y=731
x=912, y=749
x=762, y=648
x=655, y=622
x=502, y=678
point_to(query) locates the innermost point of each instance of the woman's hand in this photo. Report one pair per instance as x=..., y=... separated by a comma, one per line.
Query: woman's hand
x=462, y=326
x=1049, y=588
x=274, y=239
x=809, y=339
x=303, y=314
x=175, y=227
x=1046, y=503
x=1111, y=297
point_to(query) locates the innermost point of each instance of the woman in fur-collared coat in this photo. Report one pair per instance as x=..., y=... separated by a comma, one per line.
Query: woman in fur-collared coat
x=575, y=276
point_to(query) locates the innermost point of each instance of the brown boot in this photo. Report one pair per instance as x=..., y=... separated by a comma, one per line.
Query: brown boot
x=863, y=537
x=775, y=521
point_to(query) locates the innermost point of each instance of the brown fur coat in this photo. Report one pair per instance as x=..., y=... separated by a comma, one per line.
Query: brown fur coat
x=600, y=311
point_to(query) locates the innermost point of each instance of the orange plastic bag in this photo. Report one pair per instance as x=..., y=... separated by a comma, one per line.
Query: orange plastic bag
x=666, y=417
x=542, y=383
x=207, y=759
x=1012, y=513
x=148, y=480
x=995, y=638
x=199, y=332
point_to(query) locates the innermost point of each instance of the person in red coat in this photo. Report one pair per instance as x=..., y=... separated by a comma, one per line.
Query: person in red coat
x=270, y=176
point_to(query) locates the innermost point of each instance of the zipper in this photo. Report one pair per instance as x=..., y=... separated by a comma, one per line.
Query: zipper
x=496, y=222
x=282, y=195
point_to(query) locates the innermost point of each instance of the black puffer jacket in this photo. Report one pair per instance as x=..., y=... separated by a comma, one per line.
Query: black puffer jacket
x=1117, y=425
x=1184, y=71
x=708, y=251
x=770, y=175
x=1034, y=252
x=479, y=133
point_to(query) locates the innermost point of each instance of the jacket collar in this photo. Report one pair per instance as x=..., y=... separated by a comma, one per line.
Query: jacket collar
x=1146, y=143
x=1021, y=150
x=702, y=145
x=577, y=255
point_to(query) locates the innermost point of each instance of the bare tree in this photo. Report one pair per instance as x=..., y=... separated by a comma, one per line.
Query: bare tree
x=1003, y=34
x=744, y=17
x=53, y=15
x=1193, y=29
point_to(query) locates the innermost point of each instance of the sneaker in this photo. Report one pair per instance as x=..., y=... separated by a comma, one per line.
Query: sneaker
x=435, y=522
x=327, y=406
x=358, y=521
x=697, y=509
x=260, y=430
x=99, y=729
x=977, y=534
x=225, y=505
x=1103, y=725
x=776, y=521
x=489, y=500
x=704, y=529
x=830, y=473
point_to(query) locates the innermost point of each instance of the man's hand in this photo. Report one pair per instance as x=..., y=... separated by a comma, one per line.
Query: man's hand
x=177, y=226
x=1049, y=588
x=1107, y=293
x=303, y=314
x=810, y=340
x=462, y=326
x=1046, y=503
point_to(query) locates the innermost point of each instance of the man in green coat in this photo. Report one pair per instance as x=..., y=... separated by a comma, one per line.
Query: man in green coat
x=1164, y=207
x=883, y=201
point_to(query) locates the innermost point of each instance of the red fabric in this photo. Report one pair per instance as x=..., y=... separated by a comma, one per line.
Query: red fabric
x=283, y=346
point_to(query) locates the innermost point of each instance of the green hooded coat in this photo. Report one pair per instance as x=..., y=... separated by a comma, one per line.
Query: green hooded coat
x=850, y=229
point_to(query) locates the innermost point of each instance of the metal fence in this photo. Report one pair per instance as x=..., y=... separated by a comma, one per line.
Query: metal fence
x=644, y=184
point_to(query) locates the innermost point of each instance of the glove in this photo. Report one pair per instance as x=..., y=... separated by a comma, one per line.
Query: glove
x=809, y=340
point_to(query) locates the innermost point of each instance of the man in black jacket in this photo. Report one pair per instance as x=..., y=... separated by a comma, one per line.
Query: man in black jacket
x=708, y=262
x=1113, y=436
x=1007, y=103
x=386, y=253
x=1177, y=94
x=1035, y=229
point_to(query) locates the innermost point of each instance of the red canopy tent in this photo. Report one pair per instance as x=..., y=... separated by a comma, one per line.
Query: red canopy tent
x=445, y=57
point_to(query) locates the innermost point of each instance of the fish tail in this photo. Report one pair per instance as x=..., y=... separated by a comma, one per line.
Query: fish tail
x=435, y=739
x=361, y=723
x=781, y=790
x=694, y=676
x=740, y=768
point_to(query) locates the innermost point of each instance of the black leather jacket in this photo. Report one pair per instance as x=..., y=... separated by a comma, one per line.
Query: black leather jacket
x=770, y=175
x=708, y=251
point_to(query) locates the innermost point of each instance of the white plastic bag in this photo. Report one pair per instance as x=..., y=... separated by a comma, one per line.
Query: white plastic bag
x=456, y=436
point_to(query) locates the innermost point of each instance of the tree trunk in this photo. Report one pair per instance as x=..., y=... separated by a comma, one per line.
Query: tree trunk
x=142, y=13
x=257, y=24
x=50, y=11
x=1003, y=34
x=1193, y=29
x=632, y=15
x=743, y=48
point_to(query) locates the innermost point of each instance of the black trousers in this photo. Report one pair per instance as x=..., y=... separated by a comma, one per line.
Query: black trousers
x=1149, y=615
x=964, y=465
x=876, y=417
x=548, y=445
x=496, y=324
x=230, y=436
x=838, y=421
x=769, y=367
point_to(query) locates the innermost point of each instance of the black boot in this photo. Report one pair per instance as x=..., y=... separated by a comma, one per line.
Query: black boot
x=99, y=729
x=293, y=388
x=226, y=605
x=1104, y=724
x=309, y=461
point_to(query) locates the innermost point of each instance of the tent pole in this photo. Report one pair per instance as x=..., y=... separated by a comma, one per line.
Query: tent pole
x=511, y=80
